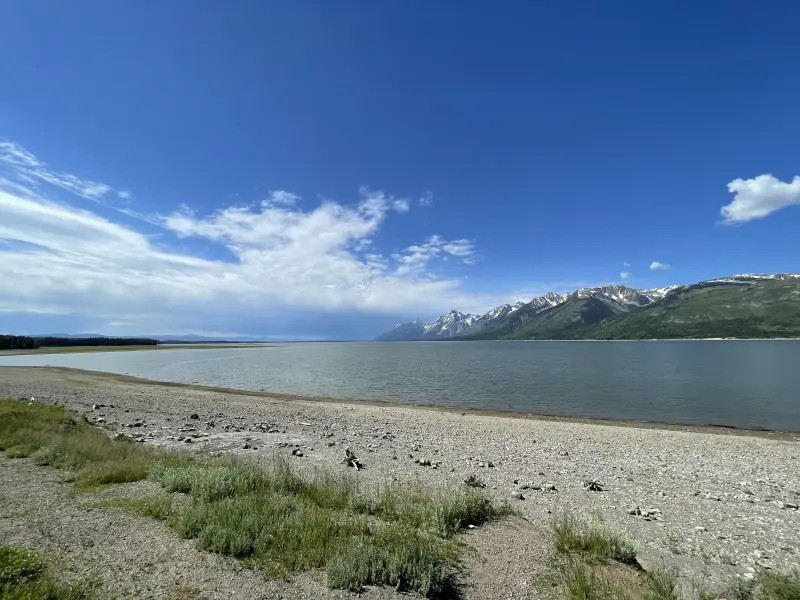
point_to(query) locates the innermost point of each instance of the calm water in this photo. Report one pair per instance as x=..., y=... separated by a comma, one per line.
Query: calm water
x=750, y=384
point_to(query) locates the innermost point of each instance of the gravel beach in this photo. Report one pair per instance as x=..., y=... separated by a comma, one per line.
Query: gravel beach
x=714, y=504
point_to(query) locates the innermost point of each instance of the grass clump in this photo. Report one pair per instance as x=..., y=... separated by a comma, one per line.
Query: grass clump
x=599, y=564
x=225, y=478
x=767, y=585
x=23, y=577
x=583, y=580
x=396, y=555
x=593, y=543
x=156, y=507
x=777, y=586
x=443, y=513
x=282, y=534
x=52, y=436
x=662, y=584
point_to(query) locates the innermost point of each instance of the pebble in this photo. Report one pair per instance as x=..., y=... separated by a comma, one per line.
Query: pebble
x=194, y=416
x=517, y=496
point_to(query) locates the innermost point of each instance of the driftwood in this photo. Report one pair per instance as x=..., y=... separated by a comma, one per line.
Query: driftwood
x=473, y=481
x=592, y=486
x=351, y=461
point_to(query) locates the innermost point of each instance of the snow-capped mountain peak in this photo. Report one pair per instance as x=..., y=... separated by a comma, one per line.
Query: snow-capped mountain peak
x=618, y=298
x=620, y=295
x=450, y=325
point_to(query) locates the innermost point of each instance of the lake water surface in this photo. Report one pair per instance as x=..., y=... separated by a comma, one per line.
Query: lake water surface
x=749, y=384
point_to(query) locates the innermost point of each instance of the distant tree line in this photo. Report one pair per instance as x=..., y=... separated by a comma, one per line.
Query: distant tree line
x=24, y=342
x=95, y=341
x=17, y=342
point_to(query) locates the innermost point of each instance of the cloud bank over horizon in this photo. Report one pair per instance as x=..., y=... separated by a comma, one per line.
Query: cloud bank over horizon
x=272, y=257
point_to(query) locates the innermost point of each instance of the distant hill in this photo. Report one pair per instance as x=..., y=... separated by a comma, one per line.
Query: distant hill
x=189, y=338
x=742, y=306
x=718, y=309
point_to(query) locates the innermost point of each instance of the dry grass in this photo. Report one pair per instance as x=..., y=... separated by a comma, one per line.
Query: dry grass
x=597, y=564
x=592, y=542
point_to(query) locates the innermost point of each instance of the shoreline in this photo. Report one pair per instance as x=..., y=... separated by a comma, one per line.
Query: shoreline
x=51, y=350
x=710, y=502
x=791, y=436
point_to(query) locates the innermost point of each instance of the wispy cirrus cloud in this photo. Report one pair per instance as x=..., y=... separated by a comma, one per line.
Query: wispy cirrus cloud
x=759, y=197
x=32, y=171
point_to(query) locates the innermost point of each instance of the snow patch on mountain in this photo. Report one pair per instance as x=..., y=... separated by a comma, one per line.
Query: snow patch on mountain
x=744, y=277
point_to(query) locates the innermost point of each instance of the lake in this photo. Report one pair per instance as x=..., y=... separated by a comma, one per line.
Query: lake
x=748, y=384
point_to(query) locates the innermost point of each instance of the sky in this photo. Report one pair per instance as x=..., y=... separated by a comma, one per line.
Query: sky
x=325, y=170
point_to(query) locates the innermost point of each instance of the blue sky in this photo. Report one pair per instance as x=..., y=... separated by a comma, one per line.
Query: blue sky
x=326, y=169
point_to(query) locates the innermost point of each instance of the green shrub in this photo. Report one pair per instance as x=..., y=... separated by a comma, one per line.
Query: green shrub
x=399, y=556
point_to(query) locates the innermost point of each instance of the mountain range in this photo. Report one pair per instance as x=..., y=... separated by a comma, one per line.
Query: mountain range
x=746, y=306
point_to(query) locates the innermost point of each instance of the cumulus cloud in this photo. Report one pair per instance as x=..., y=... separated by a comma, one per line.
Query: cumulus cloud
x=57, y=258
x=624, y=275
x=759, y=197
x=417, y=257
x=659, y=266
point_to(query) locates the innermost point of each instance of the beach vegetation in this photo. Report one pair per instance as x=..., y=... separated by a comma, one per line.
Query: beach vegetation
x=24, y=576
x=272, y=516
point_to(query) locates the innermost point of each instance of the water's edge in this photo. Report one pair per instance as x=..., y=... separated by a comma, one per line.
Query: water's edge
x=783, y=435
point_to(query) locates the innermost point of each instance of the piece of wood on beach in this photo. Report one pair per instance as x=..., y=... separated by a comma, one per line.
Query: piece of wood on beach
x=351, y=460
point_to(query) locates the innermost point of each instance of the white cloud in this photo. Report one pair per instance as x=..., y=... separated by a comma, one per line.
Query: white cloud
x=401, y=205
x=759, y=197
x=281, y=198
x=124, y=194
x=626, y=264
x=416, y=258
x=659, y=266
x=33, y=171
x=62, y=259
x=624, y=275
x=426, y=199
